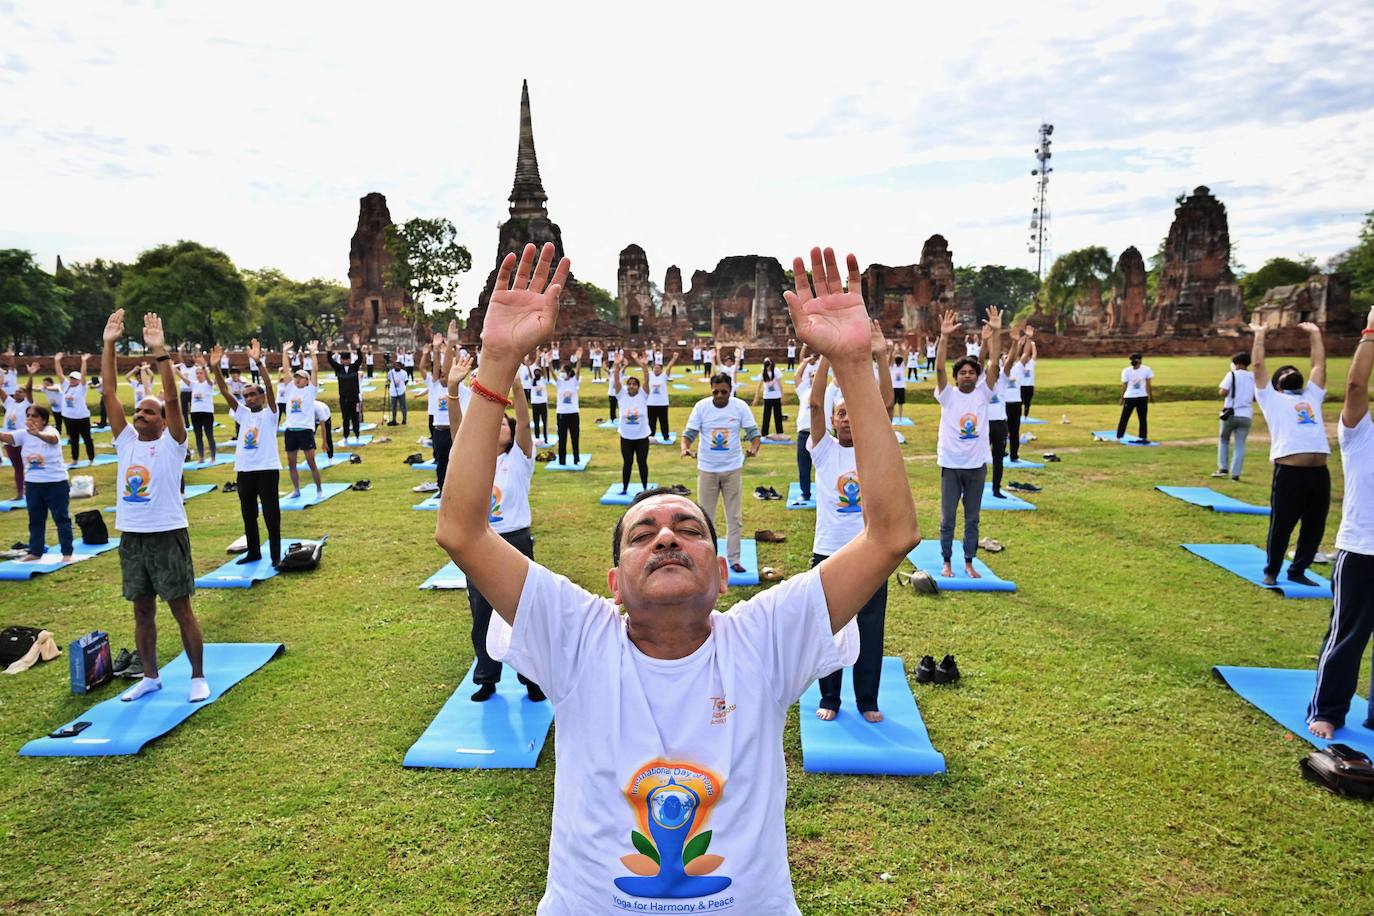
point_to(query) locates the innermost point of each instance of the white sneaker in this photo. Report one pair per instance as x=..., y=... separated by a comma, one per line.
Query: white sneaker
x=428, y=487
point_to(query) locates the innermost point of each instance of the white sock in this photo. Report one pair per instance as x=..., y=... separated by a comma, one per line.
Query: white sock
x=144, y=687
x=200, y=689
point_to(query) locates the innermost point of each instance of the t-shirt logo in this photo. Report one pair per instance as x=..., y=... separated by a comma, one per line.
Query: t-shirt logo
x=847, y=493
x=720, y=439
x=1137, y=384
x=199, y=396
x=443, y=405
x=296, y=405
x=71, y=401
x=11, y=423
x=567, y=397
x=137, y=484
x=632, y=417
x=36, y=462
x=250, y=437
x=672, y=801
x=968, y=426
x=495, y=513
x=1306, y=415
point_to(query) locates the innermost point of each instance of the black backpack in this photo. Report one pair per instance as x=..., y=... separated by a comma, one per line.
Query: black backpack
x=92, y=525
x=301, y=557
x=15, y=643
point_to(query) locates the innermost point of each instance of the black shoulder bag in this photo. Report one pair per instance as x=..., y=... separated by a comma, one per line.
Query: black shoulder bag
x=1229, y=412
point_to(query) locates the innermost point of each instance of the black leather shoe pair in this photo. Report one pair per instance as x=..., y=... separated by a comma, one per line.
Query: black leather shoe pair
x=927, y=672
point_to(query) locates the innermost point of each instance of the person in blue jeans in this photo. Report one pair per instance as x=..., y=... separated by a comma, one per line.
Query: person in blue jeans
x=46, y=489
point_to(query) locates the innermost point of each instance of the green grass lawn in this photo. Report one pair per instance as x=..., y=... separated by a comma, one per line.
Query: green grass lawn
x=1094, y=762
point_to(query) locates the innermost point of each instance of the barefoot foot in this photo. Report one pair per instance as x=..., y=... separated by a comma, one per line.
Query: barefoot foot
x=873, y=716
x=1322, y=729
x=971, y=572
x=947, y=570
x=825, y=715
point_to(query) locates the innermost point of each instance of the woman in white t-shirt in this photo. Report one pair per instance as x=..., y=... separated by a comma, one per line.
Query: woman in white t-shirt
x=769, y=391
x=1301, y=489
x=898, y=380
x=1025, y=371
x=203, y=409
x=596, y=355
x=1237, y=414
x=634, y=428
x=76, y=413
x=539, y=404
x=17, y=404
x=568, y=411
x=656, y=383
x=46, y=488
x=806, y=375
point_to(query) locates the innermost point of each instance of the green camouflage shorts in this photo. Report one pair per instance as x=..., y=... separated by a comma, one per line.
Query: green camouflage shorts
x=157, y=563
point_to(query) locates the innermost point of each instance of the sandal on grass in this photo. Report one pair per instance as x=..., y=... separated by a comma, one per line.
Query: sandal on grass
x=769, y=574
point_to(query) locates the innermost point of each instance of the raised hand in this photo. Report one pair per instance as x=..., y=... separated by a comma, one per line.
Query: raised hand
x=437, y=342
x=461, y=367
x=215, y=353
x=994, y=318
x=949, y=322
x=33, y=368
x=524, y=303
x=832, y=322
x=453, y=332
x=1257, y=326
x=877, y=343
x=114, y=328
x=314, y=347
x=254, y=349
x=153, y=336
x=1310, y=327
x=287, y=348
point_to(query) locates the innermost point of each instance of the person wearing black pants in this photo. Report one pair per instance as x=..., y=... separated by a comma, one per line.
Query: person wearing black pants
x=569, y=426
x=997, y=438
x=1300, y=494
x=257, y=464
x=1137, y=390
x=634, y=437
x=568, y=410
x=487, y=672
x=1025, y=371
x=345, y=368
x=868, y=668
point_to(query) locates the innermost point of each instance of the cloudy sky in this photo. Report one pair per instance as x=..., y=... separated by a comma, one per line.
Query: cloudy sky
x=696, y=130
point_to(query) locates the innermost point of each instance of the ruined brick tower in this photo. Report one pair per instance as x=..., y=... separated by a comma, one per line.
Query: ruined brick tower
x=376, y=309
x=1197, y=292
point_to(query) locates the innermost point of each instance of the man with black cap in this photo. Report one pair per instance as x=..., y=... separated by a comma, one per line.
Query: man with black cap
x=350, y=398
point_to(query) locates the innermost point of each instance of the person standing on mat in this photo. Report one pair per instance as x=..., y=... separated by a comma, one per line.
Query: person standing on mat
x=839, y=520
x=345, y=368
x=368, y=357
x=1301, y=488
x=1025, y=370
x=76, y=413
x=1011, y=396
x=203, y=409
x=539, y=405
x=725, y=422
x=806, y=374
x=154, y=544
x=567, y=413
x=1137, y=391
x=656, y=378
x=257, y=463
x=17, y=407
x=997, y=434
x=769, y=391
x=897, y=381
x=634, y=430
x=1237, y=414
x=623, y=681
x=396, y=380
x=53, y=394
x=1352, y=584
x=37, y=452
x=963, y=451
x=299, y=420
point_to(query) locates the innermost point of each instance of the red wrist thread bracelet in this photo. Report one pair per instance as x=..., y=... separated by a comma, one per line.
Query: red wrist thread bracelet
x=490, y=395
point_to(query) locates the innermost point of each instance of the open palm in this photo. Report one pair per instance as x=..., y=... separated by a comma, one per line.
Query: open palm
x=524, y=303
x=832, y=322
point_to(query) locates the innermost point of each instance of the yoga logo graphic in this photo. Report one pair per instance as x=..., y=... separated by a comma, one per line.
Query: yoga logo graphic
x=632, y=417
x=11, y=423
x=296, y=405
x=968, y=426
x=36, y=462
x=250, y=437
x=847, y=490
x=136, y=484
x=672, y=802
x=495, y=512
x=567, y=397
x=443, y=406
x=720, y=439
x=1306, y=415
x=71, y=401
x=198, y=396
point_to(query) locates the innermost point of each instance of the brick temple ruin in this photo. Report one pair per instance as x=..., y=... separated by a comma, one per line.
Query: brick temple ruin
x=377, y=311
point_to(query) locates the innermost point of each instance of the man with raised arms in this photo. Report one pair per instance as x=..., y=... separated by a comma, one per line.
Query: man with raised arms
x=672, y=707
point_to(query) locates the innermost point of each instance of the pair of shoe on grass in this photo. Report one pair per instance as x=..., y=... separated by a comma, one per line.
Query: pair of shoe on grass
x=928, y=672
x=766, y=493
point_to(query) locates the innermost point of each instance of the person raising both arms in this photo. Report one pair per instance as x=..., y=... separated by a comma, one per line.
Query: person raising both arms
x=154, y=543
x=257, y=463
x=656, y=378
x=1025, y=369
x=769, y=391
x=634, y=430
x=622, y=673
x=17, y=404
x=1301, y=488
x=567, y=412
x=76, y=413
x=203, y=408
x=299, y=419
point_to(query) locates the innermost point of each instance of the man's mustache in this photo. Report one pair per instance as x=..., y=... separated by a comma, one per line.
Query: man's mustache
x=669, y=556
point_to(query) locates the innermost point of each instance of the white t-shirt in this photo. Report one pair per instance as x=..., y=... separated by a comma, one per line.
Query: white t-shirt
x=438, y=401
x=634, y=415
x=804, y=414
x=224, y=362
x=368, y=359
x=300, y=406
x=898, y=375
x=257, y=443
x=596, y=359
x=1243, y=398
x=807, y=374
x=913, y=359
x=54, y=396
x=396, y=380
x=253, y=364
x=149, y=481
x=697, y=741
x=74, y=401
x=658, y=388
x=963, y=439
x=1295, y=420
x=772, y=388
x=539, y=390
x=1356, y=533
x=791, y=352
x=973, y=349
x=525, y=376
x=839, y=502
x=930, y=350
x=658, y=357
x=1009, y=383
x=322, y=412
x=15, y=412
x=997, y=408
x=1027, y=370
x=1134, y=380
x=567, y=394
x=202, y=397
x=10, y=383
x=730, y=370
x=510, y=492
x=554, y=353
x=43, y=461
x=187, y=375
x=696, y=354
x=721, y=429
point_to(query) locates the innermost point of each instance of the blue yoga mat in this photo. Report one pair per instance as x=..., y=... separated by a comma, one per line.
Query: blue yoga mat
x=570, y=466
x=1032, y=421
x=429, y=505
x=424, y=466
x=659, y=440
x=191, y=492
x=1109, y=435
x=897, y=746
x=794, y=497
x=507, y=732
x=926, y=557
x=1211, y=499
x=448, y=577
x=14, y=571
x=774, y=440
x=10, y=505
x=1010, y=502
x=219, y=461
x=608, y=424
x=1247, y=561
x=118, y=728
x=234, y=574
x=309, y=497
x=324, y=461
x=748, y=557
x=1283, y=695
x=677, y=386
x=613, y=496
x=355, y=441
x=106, y=429
x=901, y=440
x=99, y=460
x=1022, y=464
x=903, y=421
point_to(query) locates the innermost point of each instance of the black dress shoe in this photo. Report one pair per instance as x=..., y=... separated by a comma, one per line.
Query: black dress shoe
x=1299, y=576
x=1270, y=581
x=947, y=672
x=484, y=692
x=925, y=670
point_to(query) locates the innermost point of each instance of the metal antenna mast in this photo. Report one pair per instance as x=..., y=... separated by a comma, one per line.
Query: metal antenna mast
x=1040, y=216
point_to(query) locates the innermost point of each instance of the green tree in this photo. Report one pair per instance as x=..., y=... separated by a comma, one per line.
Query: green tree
x=91, y=288
x=296, y=310
x=607, y=308
x=1276, y=272
x=33, y=311
x=427, y=261
x=1071, y=273
x=1359, y=263
x=1009, y=288
x=197, y=290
